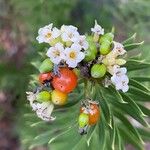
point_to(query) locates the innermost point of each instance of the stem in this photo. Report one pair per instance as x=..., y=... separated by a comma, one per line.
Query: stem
x=85, y=88
x=89, y=90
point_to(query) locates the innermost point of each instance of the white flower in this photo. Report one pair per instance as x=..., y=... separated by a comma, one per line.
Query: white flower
x=120, y=79
x=46, y=34
x=81, y=40
x=118, y=48
x=119, y=71
x=55, y=33
x=56, y=53
x=122, y=83
x=97, y=29
x=43, y=110
x=69, y=33
x=73, y=55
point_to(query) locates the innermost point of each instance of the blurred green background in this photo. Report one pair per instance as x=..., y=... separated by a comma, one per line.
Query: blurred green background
x=19, y=23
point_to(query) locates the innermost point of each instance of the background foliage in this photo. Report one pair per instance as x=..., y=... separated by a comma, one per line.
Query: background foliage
x=19, y=24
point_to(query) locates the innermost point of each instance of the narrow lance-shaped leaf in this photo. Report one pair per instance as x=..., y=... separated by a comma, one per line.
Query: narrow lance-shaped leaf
x=138, y=85
x=129, y=40
x=130, y=138
x=41, y=139
x=112, y=135
x=145, y=133
x=91, y=132
x=144, y=109
x=142, y=79
x=128, y=126
x=128, y=109
x=102, y=132
x=136, y=65
x=105, y=107
x=138, y=95
x=60, y=141
x=116, y=94
x=132, y=103
x=94, y=138
x=131, y=46
x=119, y=140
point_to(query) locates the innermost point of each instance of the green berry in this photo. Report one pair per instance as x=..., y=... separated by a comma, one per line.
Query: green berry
x=102, y=39
x=98, y=71
x=46, y=66
x=43, y=96
x=83, y=120
x=89, y=55
x=107, y=36
x=105, y=48
x=91, y=52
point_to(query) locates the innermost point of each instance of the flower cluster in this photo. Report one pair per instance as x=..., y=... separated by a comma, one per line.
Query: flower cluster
x=67, y=45
x=72, y=56
x=119, y=77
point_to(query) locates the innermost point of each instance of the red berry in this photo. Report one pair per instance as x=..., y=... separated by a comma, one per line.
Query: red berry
x=93, y=112
x=45, y=77
x=66, y=82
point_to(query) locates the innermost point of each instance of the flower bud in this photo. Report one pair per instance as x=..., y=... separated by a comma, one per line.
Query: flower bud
x=96, y=37
x=105, y=47
x=68, y=43
x=120, y=62
x=54, y=41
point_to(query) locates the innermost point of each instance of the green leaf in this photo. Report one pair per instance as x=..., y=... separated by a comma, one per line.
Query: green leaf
x=129, y=47
x=138, y=85
x=41, y=139
x=119, y=141
x=36, y=64
x=129, y=110
x=105, y=107
x=60, y=141
x=112, y=135
x=145, y=133
x=142, y=79
x=129, y=40
x=90, y=133
x=130, y=138
x=138, y=94
x=132, y=103
x=116, y=94
x=102, y=132
x=136, y=65
x=144, y=109
x=129, y=127
x=94, y=138
x=81, y=145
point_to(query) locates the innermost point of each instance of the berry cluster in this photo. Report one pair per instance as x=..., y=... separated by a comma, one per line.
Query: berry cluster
x=71, y=56
x=89, y=115
x=53, y=90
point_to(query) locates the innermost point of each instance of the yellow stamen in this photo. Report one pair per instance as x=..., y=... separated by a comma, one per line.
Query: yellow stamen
x=48, y=35
x=56, y=53
x=72, y=55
